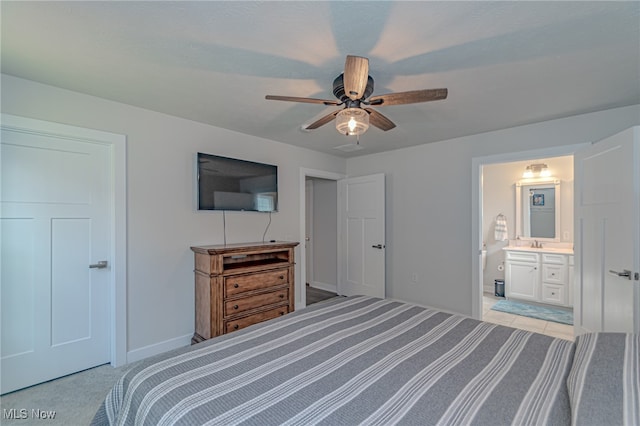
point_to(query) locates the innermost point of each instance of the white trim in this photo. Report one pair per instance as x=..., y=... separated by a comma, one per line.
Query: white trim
x=476, y=211
x=117, y=145
x=301, y=291
x=158, y=348
x=308, y=244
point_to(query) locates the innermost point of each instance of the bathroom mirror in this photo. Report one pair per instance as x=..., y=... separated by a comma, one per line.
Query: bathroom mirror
x=538, y=209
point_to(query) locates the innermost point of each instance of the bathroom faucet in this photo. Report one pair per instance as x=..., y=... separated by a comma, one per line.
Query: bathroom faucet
x=536, y=244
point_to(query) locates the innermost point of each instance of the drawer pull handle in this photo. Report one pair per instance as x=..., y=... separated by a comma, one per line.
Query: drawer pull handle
x=235, y=306
x=282, y=296
x=281, y=313
x=236, y=285
x=281, y=277
x=235, y=327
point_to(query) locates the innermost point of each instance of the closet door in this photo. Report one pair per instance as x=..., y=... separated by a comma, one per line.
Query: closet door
x=362, y=233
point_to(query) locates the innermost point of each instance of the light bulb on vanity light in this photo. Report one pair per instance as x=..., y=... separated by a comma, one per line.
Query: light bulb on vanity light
x=539, y=169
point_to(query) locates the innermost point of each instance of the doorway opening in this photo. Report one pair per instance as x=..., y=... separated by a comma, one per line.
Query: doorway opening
x=524, y=211
x=319, y=262
x=495, y=181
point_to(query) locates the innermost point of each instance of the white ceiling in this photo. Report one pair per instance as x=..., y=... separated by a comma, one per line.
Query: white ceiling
x=505, y=63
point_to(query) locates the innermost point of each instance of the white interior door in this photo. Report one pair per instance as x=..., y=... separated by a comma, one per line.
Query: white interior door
x=607, y=198
x=55, y=222
x=362, y=236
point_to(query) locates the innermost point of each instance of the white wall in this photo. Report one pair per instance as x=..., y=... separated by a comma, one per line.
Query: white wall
x=428, y=199
x=498, y=196
x=428, y=202
x=162, y=223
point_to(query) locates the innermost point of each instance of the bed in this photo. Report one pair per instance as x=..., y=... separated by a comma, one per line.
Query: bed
x=362, y=360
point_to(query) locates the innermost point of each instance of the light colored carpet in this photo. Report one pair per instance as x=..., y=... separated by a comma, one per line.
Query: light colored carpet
x=534, y=311
x=74, y=399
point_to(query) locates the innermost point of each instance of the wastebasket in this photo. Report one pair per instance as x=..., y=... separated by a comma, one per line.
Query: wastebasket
x=499, y=285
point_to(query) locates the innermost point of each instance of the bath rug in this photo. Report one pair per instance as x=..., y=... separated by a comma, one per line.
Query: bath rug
x=533, y=311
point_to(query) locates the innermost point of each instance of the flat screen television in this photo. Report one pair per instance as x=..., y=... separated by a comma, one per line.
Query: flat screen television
x=224, y=183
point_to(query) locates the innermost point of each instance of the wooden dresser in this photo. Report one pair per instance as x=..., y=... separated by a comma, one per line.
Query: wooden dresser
x=238, y=285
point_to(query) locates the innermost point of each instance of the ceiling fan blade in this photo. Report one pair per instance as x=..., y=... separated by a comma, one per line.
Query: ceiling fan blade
x=379, y=120
x=410, y=97
x=305, y=100
x=324, y=120
x=356, y=73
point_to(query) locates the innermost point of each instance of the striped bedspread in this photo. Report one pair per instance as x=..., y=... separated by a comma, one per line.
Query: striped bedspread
x=356, y=360
x=604, y=381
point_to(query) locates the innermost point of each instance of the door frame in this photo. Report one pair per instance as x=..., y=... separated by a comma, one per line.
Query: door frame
x=118, y=225
x=301, y=291
x=476, y=212
x=308, y=231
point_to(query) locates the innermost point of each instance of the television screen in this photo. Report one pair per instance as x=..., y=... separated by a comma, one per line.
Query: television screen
x=230, y=184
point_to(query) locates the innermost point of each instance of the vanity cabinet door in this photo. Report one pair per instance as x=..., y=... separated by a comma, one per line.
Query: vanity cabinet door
x=522, y=280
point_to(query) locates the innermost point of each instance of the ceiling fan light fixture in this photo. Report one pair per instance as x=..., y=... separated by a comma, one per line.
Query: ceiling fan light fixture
x=352, y=121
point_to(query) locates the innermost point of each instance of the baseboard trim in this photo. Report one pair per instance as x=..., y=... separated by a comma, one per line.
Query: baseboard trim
x=158, y=348
x=324, y=286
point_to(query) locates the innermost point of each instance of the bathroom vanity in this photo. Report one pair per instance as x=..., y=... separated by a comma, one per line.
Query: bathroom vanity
x=543, y=275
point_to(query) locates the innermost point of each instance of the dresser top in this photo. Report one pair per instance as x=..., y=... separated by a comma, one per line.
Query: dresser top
x=242, y=247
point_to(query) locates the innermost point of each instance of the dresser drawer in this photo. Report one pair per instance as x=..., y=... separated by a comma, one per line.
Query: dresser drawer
x=240, y=323
x=232, y=307
x=237, y=284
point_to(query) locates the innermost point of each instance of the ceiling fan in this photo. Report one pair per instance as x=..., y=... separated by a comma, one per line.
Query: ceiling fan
x=353, y=89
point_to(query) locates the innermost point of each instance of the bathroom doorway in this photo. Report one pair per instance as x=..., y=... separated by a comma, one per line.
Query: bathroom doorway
x=497, y=180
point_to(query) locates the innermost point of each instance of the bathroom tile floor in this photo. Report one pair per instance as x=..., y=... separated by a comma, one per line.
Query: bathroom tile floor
x=548, y=328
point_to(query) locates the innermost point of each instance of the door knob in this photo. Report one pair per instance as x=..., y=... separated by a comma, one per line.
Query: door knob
x=100, y=265
x=378, y=246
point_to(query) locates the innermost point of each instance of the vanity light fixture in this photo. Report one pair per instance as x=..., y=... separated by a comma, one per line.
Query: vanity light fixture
x=538, y=169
